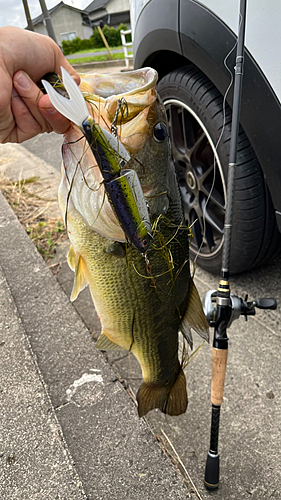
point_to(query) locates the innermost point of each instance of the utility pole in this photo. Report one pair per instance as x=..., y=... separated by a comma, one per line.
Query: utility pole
x=47, y=19
x=27, y=15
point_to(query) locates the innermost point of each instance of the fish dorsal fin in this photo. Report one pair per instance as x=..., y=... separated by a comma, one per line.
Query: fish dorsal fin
x=105, y=344
x=80, y=281
x=71, y=258
x=194, y=316
x=185, y=330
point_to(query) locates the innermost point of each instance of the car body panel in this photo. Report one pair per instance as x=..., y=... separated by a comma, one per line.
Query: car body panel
x=151, y=37
x=262, y=37
x=195, y=34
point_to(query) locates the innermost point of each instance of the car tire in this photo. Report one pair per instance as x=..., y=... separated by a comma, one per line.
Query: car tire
x=195, y=115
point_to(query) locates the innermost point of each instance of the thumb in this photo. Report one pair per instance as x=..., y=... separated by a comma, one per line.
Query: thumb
x=58, y=122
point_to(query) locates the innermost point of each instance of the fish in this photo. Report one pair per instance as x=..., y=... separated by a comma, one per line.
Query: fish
x=144, y=299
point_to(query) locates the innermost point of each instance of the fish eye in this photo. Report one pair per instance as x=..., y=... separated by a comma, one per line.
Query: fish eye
x=160, y=132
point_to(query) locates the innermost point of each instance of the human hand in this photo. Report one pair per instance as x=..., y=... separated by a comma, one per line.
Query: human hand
x=25, y=57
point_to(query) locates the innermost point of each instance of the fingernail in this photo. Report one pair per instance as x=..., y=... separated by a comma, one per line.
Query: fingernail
x=23, y=81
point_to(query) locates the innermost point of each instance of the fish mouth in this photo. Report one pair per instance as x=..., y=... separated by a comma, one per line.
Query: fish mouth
x=137, y=92
x=122, y=104
x=119, y=84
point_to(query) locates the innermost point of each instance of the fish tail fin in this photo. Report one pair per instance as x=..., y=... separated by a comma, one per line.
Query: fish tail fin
x=169, y=399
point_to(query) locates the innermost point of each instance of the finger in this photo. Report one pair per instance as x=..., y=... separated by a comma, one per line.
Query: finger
x=36, y=54
x=57, y=122
x=7, y=122
x=30, y=94
x=25, y=126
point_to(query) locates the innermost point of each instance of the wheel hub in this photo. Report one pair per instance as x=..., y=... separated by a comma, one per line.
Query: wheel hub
x=191, y=180
x=201, y=184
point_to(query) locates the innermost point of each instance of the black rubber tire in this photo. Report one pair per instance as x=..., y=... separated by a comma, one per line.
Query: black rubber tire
x=255, y=237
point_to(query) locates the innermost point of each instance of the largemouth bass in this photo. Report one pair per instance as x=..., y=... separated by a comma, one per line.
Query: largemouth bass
x=143, y=300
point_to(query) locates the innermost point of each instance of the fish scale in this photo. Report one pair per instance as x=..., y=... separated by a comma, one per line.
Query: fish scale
x=142, y=302
x=135, y=302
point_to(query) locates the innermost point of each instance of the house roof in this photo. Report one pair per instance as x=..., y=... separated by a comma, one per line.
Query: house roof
x=96, y=5
x=39, y=19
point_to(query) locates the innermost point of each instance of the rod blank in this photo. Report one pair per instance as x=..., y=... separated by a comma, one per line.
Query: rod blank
x=223, y=310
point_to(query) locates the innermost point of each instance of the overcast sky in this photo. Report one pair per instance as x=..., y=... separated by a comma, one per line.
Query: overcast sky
x=12, y=11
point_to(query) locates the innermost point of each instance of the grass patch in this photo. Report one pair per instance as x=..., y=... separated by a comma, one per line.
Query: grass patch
x=31, y=210
x=82, y=60
x=87, y=51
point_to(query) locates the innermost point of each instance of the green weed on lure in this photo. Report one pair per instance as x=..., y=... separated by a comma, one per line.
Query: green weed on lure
x=123, y=187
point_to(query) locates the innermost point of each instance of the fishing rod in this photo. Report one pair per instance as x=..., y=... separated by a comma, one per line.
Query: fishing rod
x=220, y=306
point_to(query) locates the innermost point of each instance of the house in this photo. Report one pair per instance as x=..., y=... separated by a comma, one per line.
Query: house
x=68, y=23
x=110, y=12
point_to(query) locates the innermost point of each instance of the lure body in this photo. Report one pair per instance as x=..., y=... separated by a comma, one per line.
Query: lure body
x=126, y=197
x=122, y=186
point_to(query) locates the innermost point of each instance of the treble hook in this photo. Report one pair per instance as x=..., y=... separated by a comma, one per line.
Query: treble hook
x=121, y=107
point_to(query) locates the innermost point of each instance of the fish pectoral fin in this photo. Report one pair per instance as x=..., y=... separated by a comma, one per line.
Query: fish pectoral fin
x=116, y=248
x=194, y=316
x=71, y=258
x=104, y=344
x=80, y=281
x=169, y=399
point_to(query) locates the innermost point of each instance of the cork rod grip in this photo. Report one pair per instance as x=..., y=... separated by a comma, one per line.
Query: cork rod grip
x=219, y=360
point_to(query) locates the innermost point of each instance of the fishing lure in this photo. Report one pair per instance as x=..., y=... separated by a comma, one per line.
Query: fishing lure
x=122, y=186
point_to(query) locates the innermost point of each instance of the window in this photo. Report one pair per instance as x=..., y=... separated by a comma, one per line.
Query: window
x=68, y=36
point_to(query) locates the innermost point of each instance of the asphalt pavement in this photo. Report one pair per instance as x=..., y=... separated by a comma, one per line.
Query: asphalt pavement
x=69, y=422
x=47, y=147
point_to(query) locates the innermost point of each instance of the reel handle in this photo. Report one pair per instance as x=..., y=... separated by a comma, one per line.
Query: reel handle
x=265, y=303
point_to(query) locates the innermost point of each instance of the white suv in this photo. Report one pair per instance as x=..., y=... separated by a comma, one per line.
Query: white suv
x=187, y=42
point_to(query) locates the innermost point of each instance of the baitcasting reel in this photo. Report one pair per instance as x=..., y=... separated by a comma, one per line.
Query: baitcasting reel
x=239, y=307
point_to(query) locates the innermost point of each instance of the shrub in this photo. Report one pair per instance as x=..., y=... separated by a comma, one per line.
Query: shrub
x=67, y=47
x=124, y=28
x=96, y=39
x=86, y=44
x=112, y=36
x=76, y=42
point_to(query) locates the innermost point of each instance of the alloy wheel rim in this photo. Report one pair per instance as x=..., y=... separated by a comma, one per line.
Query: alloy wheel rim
x=200, y=177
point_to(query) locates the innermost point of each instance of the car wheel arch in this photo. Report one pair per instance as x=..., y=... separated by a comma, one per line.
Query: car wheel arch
x=190, y=46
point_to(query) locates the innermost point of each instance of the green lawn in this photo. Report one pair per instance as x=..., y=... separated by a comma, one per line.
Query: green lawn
x=82, y=60
x=86, y=51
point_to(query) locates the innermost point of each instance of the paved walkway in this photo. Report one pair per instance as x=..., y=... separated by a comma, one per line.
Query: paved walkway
x=69, y=429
